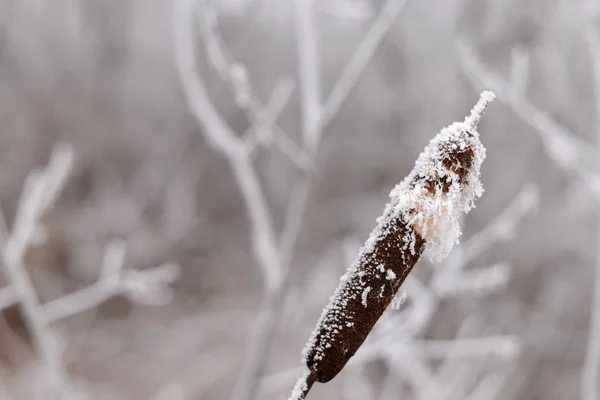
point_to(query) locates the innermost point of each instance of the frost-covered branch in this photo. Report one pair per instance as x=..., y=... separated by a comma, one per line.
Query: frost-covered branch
x=265, y=246
x=41, y=189
x=260, y=133
x=216, y=130
x=237, y=78
x=148, y=287
x=224, y=139
x=361, y=58
x=40, y=192
x=309, y=71
x=501, y=229
x=310, y=89
x=568, y=152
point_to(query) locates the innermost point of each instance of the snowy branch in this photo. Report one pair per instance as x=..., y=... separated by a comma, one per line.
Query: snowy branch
x=224, y=139
x=361, y=58
x=309, y=71
x=147, y=287
x=237, y=78
x=40, y=192
x=568, y=152
x=41, y=189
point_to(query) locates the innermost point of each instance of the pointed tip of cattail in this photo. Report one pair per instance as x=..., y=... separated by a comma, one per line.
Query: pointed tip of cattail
x=485, y=98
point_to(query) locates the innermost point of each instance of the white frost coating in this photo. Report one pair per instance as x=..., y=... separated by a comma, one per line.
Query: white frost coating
x=438, y=214
x=300, y=387
x=431, y=199
x=390, y=275
x=364, y=295
x=484, y=100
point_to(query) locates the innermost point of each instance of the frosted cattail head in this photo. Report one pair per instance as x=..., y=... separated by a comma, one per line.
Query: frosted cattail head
x=445, y=182
x=422, y=216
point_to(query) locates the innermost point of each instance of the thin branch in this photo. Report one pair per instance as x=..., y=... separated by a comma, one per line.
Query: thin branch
x=302, y=386
x=364, y=53
x=225, y=140
x=261, y=132
x=263, y=236
x=141, y=286
x=106, y=287
x=476, y=282
x=216, y=130
x=237, y=78
x=39, y=192
x=562, y=146
x=264, y=242
x=80, y=301
x=309, y=61
x=502, y=228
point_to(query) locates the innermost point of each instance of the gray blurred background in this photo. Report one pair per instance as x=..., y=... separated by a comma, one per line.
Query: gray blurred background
x=514, y=317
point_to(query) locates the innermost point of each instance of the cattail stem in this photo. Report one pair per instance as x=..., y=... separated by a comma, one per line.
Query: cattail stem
x=477, y=112
x=303, y=385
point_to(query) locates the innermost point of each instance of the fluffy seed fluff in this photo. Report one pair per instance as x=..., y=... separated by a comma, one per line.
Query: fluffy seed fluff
x=444, y=183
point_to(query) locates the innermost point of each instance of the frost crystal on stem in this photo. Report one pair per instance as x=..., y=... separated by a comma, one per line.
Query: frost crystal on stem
x=422, y=216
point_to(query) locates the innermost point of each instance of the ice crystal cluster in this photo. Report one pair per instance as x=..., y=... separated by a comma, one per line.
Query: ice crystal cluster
x=443, y=184
x=422, y=216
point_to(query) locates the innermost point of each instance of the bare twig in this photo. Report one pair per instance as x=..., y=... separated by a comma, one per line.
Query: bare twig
x=237, y=78
x=265, y=326
x=85, y=299
x=263, y=237
x=568, y=152
x=309, y=71
x=260, y=133
x=500, y=229
x=223, y=138
x=364, y=53
x=41, y=189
